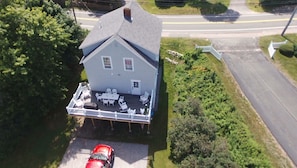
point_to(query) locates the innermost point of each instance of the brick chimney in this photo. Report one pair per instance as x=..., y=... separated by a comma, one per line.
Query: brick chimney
x=127, y=13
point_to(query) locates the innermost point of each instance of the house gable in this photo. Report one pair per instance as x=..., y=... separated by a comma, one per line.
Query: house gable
x=140, y=29
x=106, y=49
x=118, y=77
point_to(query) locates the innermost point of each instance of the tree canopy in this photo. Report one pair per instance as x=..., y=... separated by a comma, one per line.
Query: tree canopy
x=38, y=48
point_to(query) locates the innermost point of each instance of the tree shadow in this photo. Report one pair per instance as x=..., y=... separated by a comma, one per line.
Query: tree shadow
x=218, y=12
x=207, y=8
x=104, y=6
x=165, y=4
x=289, y=49
x=229, y=16
x=278, y=6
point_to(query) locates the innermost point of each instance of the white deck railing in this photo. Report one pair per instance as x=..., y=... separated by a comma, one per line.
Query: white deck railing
x=106, y=115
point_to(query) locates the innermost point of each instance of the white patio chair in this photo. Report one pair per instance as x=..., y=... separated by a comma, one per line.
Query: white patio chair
x=111, y=102
x=78, y=103
x=105, y=102
x=108, y=90
x=85, y=94
x=144, y=98
x=142, y=110
x=121, y=100
x=123, y=107
x=114, y=91
x=131, y=111
x=98, y=97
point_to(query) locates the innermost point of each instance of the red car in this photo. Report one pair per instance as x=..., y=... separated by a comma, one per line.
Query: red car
x=102, y=156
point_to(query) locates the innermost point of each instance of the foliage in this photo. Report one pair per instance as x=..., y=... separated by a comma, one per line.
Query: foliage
x=194, y=80
x=191, y=7
x=193, y=142
x=271, y=5
x=38, y=48
x=287, y=49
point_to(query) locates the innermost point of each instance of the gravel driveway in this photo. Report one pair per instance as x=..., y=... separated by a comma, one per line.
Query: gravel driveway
x=127, y=155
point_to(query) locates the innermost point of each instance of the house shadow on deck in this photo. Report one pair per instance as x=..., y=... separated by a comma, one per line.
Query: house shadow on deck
x=131, y=100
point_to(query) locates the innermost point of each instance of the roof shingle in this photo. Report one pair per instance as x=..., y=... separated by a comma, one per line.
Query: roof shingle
x=143, y=30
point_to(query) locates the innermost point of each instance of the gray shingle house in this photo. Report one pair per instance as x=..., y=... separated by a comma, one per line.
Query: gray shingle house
x=121, y=53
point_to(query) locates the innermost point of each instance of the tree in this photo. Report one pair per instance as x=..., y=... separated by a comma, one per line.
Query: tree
x=39, y=43
x=193, y=143
x=191, y=135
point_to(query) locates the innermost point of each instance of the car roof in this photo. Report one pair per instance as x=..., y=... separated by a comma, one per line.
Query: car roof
x=102, y=148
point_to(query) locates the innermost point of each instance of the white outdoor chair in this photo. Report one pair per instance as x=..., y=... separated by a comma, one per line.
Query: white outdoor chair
x=144, y=98
x=78, y=103
x=108, y=90
x=105, y=102
x=123, y=107
x=121, y=100
x=85, y=94
x=131, y=111
x=98, y=96
x=114, y=91
x=111, y=102
x=142, y=110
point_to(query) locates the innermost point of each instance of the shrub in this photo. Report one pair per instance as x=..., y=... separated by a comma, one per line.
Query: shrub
x=287, y=49
x=200, y=95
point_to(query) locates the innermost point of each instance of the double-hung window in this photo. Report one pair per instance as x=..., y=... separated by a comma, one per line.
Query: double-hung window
x=128, y=64
x=106, y=60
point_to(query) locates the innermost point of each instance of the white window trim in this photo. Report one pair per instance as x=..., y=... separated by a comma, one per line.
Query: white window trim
x=102, y=58
x=126, y=58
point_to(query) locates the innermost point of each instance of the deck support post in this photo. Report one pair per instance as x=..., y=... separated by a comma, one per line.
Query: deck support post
x=148, y=129
x=93, y=123
x=129, y=124
x=142, y=126
x=111, y=125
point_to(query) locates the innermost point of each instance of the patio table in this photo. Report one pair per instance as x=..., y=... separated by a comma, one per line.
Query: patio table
x=110, y=96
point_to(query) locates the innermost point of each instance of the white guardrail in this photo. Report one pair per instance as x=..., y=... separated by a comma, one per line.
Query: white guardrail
x=105, y=115
x=210, y=49
x=273, y=46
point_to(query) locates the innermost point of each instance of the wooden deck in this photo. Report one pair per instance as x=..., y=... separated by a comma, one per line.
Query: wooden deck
x=131, y=100
x=110, y=112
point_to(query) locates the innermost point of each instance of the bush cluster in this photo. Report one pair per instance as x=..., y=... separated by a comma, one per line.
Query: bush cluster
x=199, y=94
x=288, y=49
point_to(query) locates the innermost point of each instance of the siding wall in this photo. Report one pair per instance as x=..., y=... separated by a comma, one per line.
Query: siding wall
x=118, y=78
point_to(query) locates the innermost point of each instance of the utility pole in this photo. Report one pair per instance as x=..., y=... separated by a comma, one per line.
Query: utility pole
x=289, y=22
x=71, y=4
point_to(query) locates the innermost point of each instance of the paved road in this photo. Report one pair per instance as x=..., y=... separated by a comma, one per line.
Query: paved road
x=269, y=92
x=237, y=21
x=236, y=34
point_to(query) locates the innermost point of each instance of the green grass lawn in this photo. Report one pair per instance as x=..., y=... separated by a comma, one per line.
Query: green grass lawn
x=201, y=7
x=254, y=5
